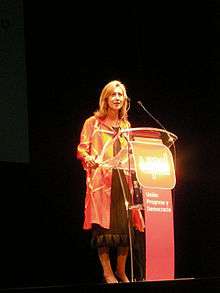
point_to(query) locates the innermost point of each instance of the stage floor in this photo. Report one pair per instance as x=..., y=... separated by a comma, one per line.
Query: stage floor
x=189, y=285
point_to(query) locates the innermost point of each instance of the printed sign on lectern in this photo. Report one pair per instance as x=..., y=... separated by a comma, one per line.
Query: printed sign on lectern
x=153, y=164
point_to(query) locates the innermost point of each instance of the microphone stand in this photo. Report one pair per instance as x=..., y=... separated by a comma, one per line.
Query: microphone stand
x=128, y=211
x=170, y=139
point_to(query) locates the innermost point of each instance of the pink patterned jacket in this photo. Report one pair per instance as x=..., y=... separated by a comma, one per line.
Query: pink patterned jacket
x=97, y=139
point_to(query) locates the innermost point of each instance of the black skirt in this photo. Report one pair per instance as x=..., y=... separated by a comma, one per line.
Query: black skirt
x=117, y=235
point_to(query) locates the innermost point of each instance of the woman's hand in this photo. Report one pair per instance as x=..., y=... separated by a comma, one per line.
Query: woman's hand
x=91, y=162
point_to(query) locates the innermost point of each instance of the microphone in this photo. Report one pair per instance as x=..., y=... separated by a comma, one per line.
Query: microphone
x=170, y=139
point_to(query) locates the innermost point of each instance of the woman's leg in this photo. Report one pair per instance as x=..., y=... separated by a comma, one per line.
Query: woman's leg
x=109, y=276
x=122, y=254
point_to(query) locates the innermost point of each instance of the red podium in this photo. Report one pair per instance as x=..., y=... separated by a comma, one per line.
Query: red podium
x=153, y=162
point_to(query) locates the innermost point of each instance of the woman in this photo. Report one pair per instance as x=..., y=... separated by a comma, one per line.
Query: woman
x=108, y=189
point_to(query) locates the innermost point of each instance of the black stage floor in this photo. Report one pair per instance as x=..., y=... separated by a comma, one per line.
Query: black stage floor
x=178, y=285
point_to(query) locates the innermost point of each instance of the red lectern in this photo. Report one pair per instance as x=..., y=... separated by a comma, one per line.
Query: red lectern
x=153, y=162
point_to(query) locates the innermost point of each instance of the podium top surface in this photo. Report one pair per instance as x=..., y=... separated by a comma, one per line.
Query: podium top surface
x=150, y=132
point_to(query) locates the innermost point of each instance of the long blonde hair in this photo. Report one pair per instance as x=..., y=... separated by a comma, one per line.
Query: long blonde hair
x=103, y=100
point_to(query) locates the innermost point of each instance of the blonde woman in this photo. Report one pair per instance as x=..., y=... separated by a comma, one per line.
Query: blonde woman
x=106, y=212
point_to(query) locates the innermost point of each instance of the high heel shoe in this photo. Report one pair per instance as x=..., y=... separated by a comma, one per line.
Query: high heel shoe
x=122, y=277
x=110, y=279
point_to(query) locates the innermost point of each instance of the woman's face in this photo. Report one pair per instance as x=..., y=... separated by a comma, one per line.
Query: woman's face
x=116, y=99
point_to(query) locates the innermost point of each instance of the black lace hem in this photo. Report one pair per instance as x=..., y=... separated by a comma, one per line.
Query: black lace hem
x=110, y=240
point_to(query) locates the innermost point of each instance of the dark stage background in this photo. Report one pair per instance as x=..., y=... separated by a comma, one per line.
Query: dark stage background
x=168, y=57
